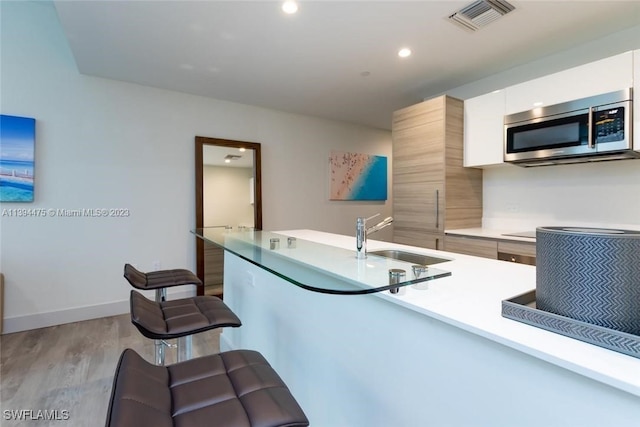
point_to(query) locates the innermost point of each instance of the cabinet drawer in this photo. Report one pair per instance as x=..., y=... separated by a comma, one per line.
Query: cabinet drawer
x=421, y=239
x=517, y=248
x=471, y=246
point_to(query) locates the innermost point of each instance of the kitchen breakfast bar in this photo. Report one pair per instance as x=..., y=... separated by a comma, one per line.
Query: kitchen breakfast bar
x=435, y=353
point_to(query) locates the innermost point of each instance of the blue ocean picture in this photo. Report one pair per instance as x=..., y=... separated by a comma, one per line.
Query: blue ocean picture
x=17, y=149
x=356, y=176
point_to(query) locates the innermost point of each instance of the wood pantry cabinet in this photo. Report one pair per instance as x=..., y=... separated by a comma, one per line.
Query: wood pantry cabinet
x=431, y=188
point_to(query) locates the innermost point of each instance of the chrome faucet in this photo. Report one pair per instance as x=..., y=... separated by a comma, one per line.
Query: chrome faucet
x=362, y=231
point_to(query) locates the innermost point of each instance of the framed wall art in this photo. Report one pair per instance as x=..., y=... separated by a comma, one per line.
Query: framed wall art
x=17, y=153
x=357, y=176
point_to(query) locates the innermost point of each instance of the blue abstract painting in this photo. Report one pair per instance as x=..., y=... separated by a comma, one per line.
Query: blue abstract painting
x=356, y=176
x=17, y=149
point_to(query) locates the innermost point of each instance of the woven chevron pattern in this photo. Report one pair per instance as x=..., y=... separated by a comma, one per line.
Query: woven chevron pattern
x=610, y=339
x=594, y=278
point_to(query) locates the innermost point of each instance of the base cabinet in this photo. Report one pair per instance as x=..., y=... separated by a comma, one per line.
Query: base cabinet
x=421, y=239
x=471, y=246
x=519, y=252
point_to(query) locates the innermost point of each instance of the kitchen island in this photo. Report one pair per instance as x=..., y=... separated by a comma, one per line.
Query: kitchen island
x=442, y=356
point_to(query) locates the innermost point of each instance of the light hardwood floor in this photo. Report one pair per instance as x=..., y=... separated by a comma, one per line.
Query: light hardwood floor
x=70, y=368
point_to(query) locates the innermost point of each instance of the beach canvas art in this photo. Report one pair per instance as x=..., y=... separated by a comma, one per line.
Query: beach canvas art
x=17, y=148
x=356, y=176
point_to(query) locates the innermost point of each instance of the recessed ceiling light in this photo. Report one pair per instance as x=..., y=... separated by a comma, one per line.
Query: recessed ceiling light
x=404, y=52
x=227, y=160
x=242, y=149
x=289, y=7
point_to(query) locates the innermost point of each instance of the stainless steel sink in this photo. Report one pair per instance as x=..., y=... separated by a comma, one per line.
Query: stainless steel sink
x=409, y=257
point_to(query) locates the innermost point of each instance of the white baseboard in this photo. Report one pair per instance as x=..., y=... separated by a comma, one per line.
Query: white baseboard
x=75, y=314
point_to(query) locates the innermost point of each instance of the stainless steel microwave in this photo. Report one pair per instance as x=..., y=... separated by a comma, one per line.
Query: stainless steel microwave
x=589, y=129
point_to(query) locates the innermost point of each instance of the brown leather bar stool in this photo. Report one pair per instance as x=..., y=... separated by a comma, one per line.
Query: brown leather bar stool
x=232, y=389
x=160, y=281
x=179, y=318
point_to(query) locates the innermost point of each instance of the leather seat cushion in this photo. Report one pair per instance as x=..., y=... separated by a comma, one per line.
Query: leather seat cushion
x=235, y=388
x=181, y=317
x=159, y=279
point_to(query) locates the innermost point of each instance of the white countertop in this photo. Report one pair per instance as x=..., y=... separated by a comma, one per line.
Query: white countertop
x=500, y=233
x=471, y=300
x=491, y=233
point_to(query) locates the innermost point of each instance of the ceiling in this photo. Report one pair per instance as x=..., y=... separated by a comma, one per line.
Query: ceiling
x=332, y=59
x=213, y=155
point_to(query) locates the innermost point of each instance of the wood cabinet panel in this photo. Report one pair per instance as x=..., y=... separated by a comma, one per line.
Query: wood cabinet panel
x=431, y=188
x=522, y=252
x=469, y=246
x=415, y=206
x=418, y=238
x=418, y=114
x=213, y=269
x=517, y=248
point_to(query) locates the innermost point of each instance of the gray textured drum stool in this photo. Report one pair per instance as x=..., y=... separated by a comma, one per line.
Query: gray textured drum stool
x=160, y=281
x=232, y=389
x=179, y=318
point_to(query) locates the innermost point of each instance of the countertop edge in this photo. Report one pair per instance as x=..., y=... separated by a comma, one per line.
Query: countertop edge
x=489, y=233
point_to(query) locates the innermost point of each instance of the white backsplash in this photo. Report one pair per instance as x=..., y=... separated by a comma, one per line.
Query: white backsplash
x=604, y=194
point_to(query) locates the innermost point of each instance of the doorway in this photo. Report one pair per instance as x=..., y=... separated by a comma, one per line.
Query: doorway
x=228, y=193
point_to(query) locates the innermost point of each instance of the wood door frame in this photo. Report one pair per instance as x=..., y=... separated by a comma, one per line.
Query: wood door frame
x=201, y=141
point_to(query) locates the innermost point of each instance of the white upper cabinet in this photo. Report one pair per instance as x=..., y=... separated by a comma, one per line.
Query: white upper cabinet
x=483, y=129
x=484, y=115
x=636, y=100
x=606, y=75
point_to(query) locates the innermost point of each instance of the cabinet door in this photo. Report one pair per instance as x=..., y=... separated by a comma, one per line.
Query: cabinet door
x=417, y=206
x=606, y=75
x=418, y=178
x=418, y=238
x=483, y=129
x=518, y=248
x=485, y=248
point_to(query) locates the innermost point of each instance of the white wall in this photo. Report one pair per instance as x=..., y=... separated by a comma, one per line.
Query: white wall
x=605, y=194
x=107, y=144
x=226, y=196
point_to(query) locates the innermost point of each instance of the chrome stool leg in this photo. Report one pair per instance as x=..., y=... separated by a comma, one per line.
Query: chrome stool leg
x=161, y=295
x=159, y=352
x=185, y=348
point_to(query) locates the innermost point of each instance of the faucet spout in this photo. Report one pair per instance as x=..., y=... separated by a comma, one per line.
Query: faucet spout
x=362, y=231
x=379, y=226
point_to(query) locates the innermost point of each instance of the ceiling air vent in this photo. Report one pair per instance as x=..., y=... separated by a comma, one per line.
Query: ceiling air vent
x=480, y=13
